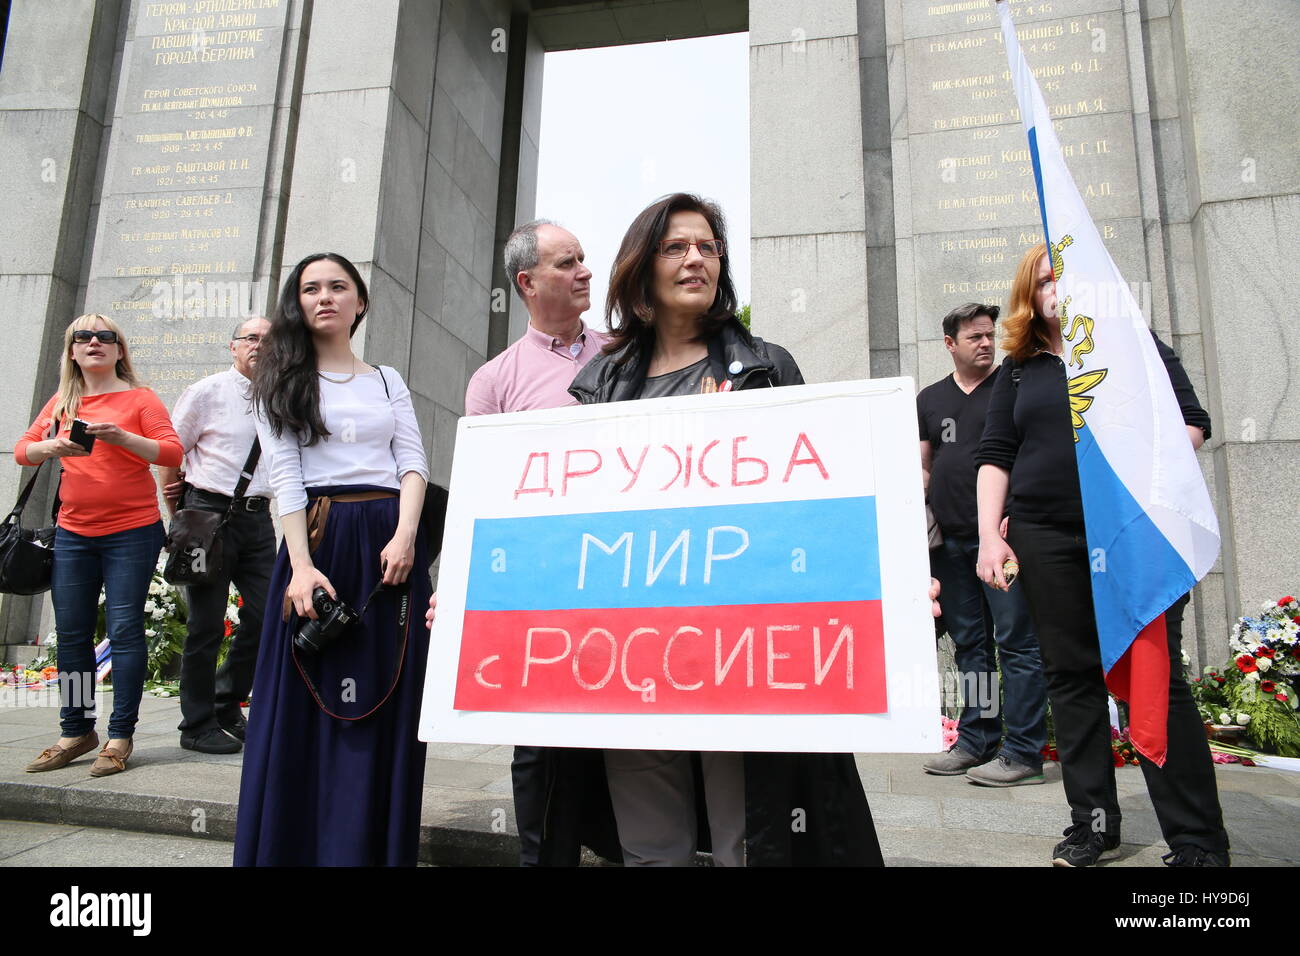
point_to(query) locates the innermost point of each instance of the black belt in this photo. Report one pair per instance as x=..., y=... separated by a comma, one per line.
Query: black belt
x=257, y=503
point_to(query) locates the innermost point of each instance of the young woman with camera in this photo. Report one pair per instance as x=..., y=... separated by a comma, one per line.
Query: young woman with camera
x=110, y=430
x=333, y=772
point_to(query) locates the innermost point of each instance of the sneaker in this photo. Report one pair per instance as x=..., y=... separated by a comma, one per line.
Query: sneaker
x=1190, y=855
x=1082, y=846
x=1004, y=772
x=953, y=763
x=212, y=741
x=236, y=727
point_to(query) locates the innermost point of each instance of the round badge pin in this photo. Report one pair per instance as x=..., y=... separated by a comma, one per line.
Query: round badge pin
x=734, y=368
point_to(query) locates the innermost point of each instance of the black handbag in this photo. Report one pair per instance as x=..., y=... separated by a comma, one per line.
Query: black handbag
x=194, y=547
x=27, y=556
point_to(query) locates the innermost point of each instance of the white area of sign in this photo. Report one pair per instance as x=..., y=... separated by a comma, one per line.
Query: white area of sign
x=864, y=432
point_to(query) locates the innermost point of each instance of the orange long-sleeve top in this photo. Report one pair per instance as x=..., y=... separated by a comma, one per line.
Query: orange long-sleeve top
x=112, y=489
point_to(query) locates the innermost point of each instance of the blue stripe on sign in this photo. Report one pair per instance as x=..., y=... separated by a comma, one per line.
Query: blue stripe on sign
x=782, y=552
x=1136, y=573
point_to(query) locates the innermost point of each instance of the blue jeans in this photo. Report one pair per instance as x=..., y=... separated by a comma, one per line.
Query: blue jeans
x=123, y=564
x=978, y=617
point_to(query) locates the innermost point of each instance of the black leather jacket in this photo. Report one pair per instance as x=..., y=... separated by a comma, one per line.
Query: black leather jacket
x=757, y=364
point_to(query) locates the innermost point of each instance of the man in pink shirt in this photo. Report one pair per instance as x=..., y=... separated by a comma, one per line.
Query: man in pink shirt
x=544, y=263
x=557, y=792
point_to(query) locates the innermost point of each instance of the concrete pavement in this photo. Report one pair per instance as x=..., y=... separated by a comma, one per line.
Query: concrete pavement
x=468, y=817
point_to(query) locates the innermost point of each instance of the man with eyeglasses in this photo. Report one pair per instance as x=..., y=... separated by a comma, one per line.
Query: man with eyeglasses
x=213, y=419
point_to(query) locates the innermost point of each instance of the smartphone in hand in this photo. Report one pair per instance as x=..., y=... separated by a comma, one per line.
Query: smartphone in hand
x=79, y=435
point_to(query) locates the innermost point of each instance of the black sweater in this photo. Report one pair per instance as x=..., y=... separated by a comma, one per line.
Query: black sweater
x=1028, y=433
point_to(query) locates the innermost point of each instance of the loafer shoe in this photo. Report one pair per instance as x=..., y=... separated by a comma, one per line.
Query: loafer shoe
x=1084, y=847
x=212, y=741
x=111, y=761
x=52, y=758
x=953, y=763
x=237, y=727
x=1004, y=772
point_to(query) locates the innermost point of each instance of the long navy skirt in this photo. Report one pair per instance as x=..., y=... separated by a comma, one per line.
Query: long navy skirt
x=317, y=790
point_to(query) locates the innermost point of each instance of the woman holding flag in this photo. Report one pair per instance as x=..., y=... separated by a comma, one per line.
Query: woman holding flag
x=1027, y=471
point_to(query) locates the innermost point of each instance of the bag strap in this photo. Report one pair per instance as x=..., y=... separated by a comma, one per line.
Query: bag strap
x=31, y=483
x=384, y=379
x=246, y=473
x=403, y=626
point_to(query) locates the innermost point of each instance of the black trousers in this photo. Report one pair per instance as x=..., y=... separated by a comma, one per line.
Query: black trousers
x=209, y=697
x=1055, y=574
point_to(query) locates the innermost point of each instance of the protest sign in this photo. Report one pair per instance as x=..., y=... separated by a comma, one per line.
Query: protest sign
x=740, y=571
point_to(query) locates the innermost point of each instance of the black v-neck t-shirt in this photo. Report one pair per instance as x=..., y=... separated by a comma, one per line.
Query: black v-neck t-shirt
x=953, y=423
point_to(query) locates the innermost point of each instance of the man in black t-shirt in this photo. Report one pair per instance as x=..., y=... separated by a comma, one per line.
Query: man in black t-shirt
x=950, y=415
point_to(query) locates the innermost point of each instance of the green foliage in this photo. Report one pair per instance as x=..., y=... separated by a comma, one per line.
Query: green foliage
x=743, y=314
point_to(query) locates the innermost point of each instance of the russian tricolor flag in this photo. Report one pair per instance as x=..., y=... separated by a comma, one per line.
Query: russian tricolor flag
x=1151, y=530
x=698, y=610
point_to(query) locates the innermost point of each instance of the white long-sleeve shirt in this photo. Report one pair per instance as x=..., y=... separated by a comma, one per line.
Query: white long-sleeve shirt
x=214, y=421
x=374, y=440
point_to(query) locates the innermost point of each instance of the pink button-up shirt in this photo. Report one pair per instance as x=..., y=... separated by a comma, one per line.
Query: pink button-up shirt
x=534, y=372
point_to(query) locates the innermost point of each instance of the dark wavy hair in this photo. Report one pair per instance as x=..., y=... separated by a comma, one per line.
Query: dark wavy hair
x=286, y=388
x=630, y=303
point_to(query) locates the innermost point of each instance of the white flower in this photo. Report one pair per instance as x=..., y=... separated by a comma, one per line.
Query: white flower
x=1186, y=660
x=1243, y=720
x=149, y=606
x=1268, y=606
x=1252, y=676
x=1263, y=663
x=150, y=632
x=232, y=614
x=1225, y=718
x=159, y=614
x=52, y=639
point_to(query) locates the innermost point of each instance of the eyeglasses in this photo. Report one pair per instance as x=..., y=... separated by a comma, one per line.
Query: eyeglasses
x=251, y=339
x=677, y=248
x=106, y=336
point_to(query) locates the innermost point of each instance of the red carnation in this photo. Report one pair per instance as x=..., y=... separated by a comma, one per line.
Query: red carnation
x=1119, y=761
x=1246, y=663
x=230, y=629
x=1284, y=601
x=1221, y=680
x=239, y=601
x=1264, y=652
x=1280, y=698
x=1267, y=686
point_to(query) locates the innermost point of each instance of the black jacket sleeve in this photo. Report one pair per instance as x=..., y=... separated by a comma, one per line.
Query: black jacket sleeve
x=787, y=370
x=1001, y=440
x=1193, y=413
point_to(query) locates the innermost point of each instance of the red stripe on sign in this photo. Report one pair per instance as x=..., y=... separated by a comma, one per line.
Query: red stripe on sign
x=824, y=658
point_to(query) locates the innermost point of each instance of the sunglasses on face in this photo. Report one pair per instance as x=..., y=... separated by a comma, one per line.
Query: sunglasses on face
x=677, y=248
x=106, y=336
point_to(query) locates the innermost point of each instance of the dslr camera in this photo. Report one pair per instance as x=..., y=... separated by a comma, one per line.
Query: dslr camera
x=334, y=618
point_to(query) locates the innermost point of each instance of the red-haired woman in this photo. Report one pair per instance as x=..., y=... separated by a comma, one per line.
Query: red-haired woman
x=1027, y=470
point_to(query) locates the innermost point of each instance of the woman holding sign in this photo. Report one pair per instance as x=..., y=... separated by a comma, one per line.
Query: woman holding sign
x=671, y=311
x=333, y=772
x=1027, y=469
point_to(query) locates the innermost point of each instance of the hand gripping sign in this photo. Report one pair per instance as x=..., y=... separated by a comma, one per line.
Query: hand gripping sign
x=739, y=571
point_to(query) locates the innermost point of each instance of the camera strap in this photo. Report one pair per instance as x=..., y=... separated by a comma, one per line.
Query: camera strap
x=403, y=627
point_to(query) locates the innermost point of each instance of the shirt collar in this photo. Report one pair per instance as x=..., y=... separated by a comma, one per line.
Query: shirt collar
x=549, y=342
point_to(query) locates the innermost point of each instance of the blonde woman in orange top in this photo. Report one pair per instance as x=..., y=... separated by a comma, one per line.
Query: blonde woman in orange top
x=109, y=531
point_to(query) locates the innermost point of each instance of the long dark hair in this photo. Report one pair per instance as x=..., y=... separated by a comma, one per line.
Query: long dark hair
x=629, y=303
x=286, y=388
